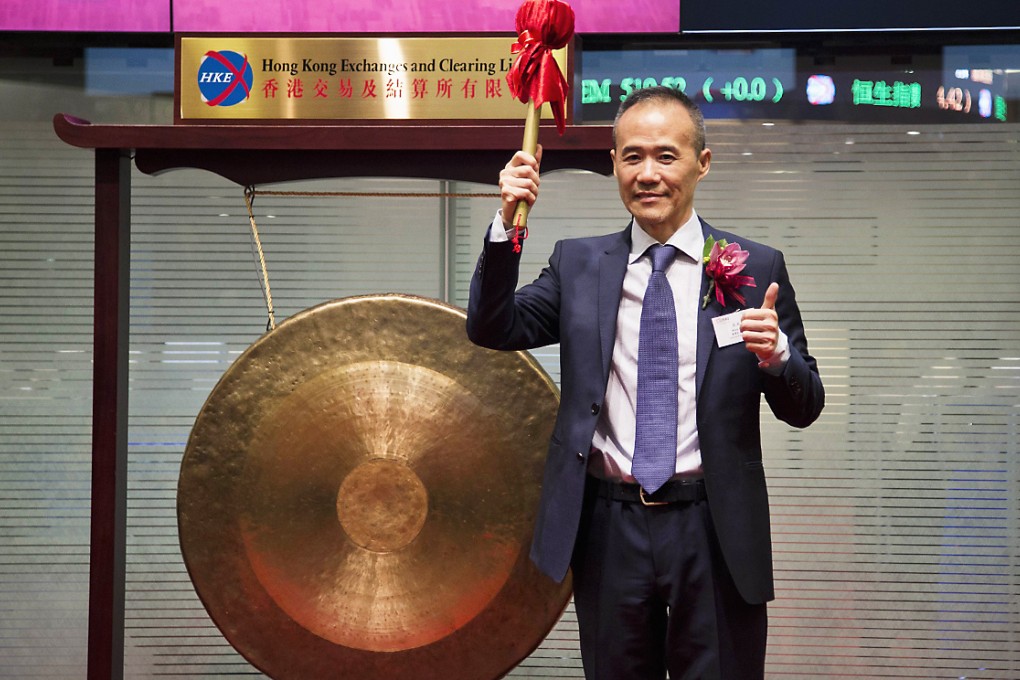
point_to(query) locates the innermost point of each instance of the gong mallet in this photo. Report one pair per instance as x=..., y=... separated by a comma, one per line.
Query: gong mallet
x=535, y=78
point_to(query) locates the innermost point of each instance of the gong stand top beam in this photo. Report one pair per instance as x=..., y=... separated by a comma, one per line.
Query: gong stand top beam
x=257, y=154
x=246, y=154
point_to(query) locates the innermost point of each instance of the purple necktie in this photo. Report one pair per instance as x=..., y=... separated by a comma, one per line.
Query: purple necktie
x=658, y=376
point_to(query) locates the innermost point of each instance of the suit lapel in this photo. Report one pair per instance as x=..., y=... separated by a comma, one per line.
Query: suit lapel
x=612, y=269
x=706, y=333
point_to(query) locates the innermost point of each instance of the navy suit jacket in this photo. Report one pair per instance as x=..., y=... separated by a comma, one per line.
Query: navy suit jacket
x=574, y=302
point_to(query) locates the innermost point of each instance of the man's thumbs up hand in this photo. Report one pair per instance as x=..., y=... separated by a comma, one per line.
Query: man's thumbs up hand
x=760, y=327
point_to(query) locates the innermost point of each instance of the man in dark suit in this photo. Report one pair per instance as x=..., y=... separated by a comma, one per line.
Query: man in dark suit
x=668, y=576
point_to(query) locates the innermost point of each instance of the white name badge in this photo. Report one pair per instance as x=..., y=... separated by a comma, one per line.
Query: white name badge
x=727, y=329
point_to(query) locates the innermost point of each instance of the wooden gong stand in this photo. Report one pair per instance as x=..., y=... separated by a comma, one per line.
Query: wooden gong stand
x=245, y=154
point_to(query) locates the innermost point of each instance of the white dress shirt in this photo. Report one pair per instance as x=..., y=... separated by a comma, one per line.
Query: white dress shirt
x=613, y=443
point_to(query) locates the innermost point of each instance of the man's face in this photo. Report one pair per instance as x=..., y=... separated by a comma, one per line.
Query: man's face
x=656, y=165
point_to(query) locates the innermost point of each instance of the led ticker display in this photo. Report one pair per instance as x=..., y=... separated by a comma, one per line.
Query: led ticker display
x=741, y=89
x=971, y=99
x=821, y=90
x=896, y=94
x=923, y=97
x=975, y=80
x=777, y=84
x=713, y=78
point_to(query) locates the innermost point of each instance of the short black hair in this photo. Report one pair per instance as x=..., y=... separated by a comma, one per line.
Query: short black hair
x=665, y=94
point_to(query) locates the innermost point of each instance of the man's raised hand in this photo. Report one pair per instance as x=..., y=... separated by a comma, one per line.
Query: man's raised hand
x=518, y=181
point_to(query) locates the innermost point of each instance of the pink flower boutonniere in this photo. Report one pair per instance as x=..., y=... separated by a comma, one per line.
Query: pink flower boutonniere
x=723, y=264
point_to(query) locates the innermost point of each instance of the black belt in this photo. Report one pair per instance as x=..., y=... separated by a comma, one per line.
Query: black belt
x=675, y=491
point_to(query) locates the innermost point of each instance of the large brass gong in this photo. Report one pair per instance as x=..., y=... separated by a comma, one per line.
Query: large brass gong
x=357, y=497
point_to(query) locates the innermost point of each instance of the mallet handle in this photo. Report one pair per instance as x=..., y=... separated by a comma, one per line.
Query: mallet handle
x=530, y=145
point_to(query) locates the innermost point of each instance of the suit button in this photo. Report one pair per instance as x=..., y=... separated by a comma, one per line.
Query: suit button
x=580, y=455
x=595, y=409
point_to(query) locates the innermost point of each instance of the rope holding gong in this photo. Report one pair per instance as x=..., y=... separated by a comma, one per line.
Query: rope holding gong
x=249, y=199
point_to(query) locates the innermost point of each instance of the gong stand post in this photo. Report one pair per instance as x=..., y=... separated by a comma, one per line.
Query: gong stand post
x=109, y=415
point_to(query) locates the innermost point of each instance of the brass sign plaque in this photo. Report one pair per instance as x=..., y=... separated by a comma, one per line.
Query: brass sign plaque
x=291, y=78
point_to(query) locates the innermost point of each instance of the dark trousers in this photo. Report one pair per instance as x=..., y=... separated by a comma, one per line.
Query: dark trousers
x=652, y=594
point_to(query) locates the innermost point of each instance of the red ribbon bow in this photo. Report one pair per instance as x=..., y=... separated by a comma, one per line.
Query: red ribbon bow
x=524, y=41
x=542, y=26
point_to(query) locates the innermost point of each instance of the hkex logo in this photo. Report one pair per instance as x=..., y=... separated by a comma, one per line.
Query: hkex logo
x=224, y=78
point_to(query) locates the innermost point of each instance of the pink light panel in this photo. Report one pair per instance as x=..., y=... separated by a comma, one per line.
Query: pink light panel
x=324, y=16
x=142, y=16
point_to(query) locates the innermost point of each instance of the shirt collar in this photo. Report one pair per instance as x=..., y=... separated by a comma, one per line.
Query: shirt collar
x=688, y=239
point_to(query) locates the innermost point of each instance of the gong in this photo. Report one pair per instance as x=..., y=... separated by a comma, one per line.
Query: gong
x=357, y=497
